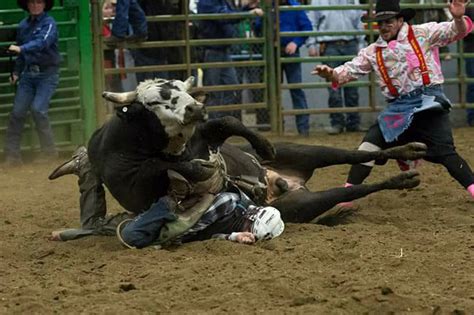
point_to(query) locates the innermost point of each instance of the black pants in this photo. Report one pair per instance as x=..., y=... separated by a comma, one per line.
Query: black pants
x=433, y=128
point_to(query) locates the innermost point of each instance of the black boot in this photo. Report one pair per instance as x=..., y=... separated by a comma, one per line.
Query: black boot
x=72, y=166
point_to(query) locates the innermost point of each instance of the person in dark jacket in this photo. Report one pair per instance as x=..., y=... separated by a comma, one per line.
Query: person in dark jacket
x=221, y=29
x=469, y=48
x=37, y=73
x=293, y=21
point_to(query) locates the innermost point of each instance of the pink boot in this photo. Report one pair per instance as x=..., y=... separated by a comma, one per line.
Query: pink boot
x=470, y=189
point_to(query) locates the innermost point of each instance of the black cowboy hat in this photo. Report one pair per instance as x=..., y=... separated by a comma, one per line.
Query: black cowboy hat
x=24, y=4
x=387, y=9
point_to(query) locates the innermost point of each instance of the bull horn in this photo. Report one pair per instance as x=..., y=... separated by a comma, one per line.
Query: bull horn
x=120, y=98
x=188, y=84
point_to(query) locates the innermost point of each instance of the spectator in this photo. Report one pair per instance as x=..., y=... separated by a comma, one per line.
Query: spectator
x=37, y=73
x=293, y=21
x=161, y=31
x=341, y=45
x=128, y=11
x=469, y=48
x=112, y=82
x=212, y=29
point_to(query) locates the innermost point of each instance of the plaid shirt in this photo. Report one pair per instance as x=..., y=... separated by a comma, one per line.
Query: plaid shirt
x=227, y=207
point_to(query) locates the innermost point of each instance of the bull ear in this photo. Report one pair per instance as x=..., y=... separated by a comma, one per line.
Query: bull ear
x=188, y=84
x=199, y=95
x=120, y=98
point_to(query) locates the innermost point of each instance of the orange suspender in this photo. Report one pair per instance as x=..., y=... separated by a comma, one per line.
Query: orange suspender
x=419, y=54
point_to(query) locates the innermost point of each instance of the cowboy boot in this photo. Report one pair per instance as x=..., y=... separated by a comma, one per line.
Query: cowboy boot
x=72, y=166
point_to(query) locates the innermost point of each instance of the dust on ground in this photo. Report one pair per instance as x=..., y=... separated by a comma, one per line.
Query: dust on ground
x=403, y=252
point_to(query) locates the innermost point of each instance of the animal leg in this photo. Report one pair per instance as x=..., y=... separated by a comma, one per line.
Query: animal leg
x=306, y=158
x=217, y=131
x=302, y=206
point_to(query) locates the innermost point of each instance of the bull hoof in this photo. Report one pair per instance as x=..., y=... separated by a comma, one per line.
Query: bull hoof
x=405, y=180
x=410, y=151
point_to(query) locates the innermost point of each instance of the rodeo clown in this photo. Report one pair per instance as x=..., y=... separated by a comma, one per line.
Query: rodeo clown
x=405, y=59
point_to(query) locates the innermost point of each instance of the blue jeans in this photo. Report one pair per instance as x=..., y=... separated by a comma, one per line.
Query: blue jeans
x=470, y=90
x=298, y=98
x=34, y=92
x=220, y=76
x=351, y=94
x=129, y=11
x=145, y=229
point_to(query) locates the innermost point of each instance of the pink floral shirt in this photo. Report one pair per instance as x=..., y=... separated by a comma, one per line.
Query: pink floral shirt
x=400, y=60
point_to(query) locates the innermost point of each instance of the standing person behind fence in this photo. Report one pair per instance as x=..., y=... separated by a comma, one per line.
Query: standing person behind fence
x=406, y=64
x=223, y=28
x=469, y=48
x=128, y=13
x=293, y=21
x=37, y=73
x=339, y=45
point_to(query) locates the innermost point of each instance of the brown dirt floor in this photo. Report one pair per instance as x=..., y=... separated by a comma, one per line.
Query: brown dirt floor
x=353, y=268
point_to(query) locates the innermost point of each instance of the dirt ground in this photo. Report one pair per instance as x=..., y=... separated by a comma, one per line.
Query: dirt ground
x=403, y=252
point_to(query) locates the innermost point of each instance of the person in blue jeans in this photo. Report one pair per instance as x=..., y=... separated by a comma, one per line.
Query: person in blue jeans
x=128, y=13
x=340, y=45
x=37, y=73
x=293, y=21
x=469, y=48
x=214, y=29
x=231, y=216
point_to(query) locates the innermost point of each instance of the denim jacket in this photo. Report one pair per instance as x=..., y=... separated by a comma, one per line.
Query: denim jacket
x=38, y=40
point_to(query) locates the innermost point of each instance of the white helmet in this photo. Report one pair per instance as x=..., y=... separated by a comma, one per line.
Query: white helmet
x=267, y=223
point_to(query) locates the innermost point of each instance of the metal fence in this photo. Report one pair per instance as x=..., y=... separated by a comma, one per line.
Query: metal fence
x=78, y=108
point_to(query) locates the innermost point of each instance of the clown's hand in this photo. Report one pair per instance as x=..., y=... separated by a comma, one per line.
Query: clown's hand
x=457, y=8
x=323, y=71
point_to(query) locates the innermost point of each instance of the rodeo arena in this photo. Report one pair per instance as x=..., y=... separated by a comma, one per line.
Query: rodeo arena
x=237, y=156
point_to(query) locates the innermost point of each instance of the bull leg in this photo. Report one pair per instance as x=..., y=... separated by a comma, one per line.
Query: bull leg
x=306, y=158
x=302, y=206
x=217, y=131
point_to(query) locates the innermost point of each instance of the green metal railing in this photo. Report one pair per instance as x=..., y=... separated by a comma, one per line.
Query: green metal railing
x=189, y=65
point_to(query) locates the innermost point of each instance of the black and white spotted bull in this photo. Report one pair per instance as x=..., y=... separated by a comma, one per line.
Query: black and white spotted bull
x=283, y=176
x=150, y=134
x=132, y=153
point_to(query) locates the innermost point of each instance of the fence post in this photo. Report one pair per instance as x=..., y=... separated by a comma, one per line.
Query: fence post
x=98, y=63
x=86, y=69
x=271, y=75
